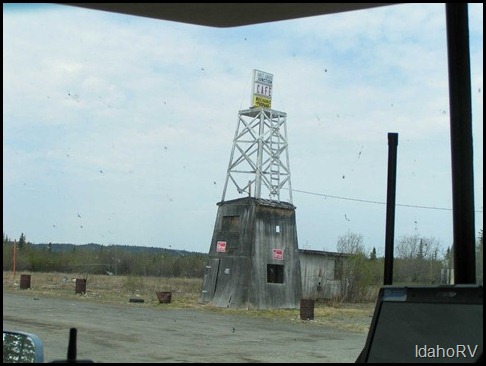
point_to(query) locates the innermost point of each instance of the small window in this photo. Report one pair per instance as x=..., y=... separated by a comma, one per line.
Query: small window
x=277, y=228
x=275, y=273
x=231, y=223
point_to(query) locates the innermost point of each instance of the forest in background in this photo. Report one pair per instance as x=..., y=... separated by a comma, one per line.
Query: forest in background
x=100, y=259
x=418, y=261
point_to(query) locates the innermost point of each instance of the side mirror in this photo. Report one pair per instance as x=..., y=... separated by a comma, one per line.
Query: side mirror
x=22, y=347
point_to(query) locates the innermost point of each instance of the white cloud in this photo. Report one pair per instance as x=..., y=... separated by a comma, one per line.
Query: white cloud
x=154, y=105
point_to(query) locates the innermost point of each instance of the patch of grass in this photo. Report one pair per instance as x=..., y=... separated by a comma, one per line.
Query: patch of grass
x=349, y=317
x=109, y=289
x=185, y=294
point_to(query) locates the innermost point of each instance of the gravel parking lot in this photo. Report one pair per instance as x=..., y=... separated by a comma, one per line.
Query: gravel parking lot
x=133, y=333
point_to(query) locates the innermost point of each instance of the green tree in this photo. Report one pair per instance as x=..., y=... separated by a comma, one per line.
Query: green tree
x=417, y=260
x=448, y=265
x=22, y=242
x=373, y=254
x=7, y=256
x=358, y=277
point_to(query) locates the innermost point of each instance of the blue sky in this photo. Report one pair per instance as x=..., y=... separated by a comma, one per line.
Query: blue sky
x=118, y=129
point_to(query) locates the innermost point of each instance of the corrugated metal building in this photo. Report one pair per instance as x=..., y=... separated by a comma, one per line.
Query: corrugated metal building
x=254, y=256
x=321, y=273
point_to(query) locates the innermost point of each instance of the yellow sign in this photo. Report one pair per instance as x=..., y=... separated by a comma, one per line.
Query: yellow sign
x=261, y=102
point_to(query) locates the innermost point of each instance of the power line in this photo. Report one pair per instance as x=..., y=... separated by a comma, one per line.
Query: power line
x=375, y=202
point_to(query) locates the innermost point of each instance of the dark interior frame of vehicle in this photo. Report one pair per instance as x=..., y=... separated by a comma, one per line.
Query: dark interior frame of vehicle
x=457, y=309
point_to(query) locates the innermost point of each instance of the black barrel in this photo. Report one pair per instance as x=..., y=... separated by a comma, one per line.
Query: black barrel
x=164, y=297
x=306, y=309
x=24, y=281
x=80, y=286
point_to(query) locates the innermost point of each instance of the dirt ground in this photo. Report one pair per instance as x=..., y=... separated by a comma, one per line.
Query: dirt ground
x=135, y=333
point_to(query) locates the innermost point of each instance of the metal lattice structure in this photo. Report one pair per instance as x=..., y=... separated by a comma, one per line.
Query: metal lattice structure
x=259, y=161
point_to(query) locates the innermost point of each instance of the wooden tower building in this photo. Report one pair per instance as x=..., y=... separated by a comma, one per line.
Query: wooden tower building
x=254, y=257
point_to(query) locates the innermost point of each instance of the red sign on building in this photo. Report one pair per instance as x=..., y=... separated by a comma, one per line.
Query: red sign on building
x=277, y=254
x=221, y=246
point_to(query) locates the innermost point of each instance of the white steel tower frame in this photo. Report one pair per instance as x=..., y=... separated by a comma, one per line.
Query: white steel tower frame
x=259, y=161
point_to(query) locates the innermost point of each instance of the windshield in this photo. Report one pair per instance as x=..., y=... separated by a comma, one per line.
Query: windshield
x=118, y=131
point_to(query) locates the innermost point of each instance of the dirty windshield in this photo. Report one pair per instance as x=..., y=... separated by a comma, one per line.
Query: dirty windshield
x=186, y=193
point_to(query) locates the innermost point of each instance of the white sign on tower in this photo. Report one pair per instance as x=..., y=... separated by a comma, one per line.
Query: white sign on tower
x=262, y=89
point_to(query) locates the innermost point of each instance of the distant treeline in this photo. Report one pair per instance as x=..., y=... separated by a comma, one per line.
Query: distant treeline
x=99, y=259
x=417, y=260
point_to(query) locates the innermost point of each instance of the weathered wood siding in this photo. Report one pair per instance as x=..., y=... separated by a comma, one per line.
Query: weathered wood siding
x=318, y=271
x=259, y=236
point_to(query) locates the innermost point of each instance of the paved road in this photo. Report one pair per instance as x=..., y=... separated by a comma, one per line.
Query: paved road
x=138, y=334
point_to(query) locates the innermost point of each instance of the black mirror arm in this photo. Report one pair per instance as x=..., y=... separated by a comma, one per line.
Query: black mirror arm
x=72, y=349
x=71, y=354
